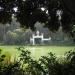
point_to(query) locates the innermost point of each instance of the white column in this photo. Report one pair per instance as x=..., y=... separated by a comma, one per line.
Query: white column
x=42, y=38
x=33, y=41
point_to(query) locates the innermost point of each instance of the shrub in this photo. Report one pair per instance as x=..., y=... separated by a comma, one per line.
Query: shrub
x=46, y=65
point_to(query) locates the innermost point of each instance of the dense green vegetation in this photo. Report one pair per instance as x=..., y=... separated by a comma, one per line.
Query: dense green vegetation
x=36, y=60
x=28, y=12
x=46, y=65
x=52, y=13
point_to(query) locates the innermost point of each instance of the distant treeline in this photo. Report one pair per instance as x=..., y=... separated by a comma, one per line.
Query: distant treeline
x=13, y=34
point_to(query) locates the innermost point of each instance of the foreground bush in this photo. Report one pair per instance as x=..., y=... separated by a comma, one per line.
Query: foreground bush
x=46, y=65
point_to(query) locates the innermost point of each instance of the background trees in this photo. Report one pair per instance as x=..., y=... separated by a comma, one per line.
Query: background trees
x=28, y=12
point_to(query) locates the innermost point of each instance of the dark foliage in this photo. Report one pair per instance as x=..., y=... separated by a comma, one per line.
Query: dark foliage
x=70, y=5
x=30, y=11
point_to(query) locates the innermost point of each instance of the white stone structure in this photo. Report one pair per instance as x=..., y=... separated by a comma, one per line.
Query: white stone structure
x=38, y=36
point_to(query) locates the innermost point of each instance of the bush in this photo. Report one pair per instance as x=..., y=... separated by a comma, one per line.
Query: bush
x=46, y=65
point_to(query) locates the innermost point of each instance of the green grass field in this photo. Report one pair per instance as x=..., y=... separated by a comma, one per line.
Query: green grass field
x=37, y=51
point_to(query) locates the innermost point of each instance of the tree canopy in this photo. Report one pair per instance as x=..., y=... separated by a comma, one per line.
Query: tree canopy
x=28, y=12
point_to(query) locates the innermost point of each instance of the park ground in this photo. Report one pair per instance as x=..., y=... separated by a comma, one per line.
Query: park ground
x=36, y=51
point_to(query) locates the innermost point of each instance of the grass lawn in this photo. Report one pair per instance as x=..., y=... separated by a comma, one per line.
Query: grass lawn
x=37, y=51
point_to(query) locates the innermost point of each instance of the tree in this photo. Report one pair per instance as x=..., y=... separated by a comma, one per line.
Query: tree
x=70, y=5
x=28, y=12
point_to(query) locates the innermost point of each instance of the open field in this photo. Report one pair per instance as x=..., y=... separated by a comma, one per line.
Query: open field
x=37, y=51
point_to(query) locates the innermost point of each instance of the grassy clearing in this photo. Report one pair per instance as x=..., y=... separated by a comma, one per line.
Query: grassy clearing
x=37, y=51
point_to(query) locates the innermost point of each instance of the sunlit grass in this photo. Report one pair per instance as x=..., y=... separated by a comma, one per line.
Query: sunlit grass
x=37, y=51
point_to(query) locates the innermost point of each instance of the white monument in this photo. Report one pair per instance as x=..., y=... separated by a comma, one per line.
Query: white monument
x=38, y=36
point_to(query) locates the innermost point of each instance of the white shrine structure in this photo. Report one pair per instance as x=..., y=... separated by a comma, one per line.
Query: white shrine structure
x=38, y=36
